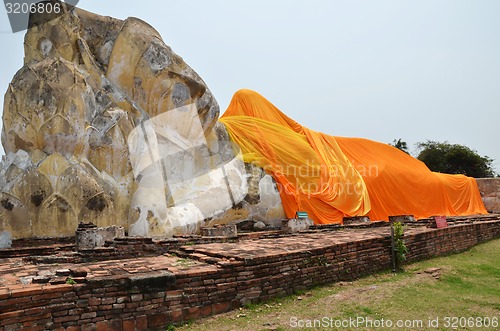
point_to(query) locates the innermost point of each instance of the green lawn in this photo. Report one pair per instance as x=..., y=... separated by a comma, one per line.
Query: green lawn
x=467, y=287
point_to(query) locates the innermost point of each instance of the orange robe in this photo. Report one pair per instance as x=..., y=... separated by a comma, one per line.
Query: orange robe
x=332, y=177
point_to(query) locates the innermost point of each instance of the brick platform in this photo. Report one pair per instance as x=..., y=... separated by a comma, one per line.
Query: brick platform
x=149, y=293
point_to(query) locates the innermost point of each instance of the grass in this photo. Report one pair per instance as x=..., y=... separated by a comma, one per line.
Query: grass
x=468, y=285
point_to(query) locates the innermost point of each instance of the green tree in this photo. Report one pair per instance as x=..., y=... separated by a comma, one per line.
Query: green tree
x=401, y=145
x=454, y=159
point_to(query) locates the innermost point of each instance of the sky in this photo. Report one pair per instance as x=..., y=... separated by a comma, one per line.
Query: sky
x=378, y=69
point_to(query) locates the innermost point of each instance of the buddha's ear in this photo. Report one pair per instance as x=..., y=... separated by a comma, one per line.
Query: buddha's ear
x=196, y=89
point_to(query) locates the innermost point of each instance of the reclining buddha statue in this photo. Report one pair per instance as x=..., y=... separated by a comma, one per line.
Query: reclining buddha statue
x=104, y=123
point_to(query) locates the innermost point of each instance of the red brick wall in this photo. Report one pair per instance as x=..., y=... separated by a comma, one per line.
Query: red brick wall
x=449, y=240
x=153, y=301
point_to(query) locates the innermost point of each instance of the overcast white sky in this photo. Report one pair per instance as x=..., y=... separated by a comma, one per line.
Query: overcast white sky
x=416, y=70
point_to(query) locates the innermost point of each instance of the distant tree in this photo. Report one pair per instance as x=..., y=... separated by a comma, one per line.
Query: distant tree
x=454, y=159
x=401, y=145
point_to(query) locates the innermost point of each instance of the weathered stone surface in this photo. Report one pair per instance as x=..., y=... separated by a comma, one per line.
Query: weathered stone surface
x=92, y=237
x=402, y=218
x=432, y=270
x=296, y=225
x=356, y=220
x=228, y=231
x=262, y=202
x=105, y=123
x=259, y=225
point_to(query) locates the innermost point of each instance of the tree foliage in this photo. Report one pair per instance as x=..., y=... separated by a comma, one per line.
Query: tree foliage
x=401, y=145
x=454, y=159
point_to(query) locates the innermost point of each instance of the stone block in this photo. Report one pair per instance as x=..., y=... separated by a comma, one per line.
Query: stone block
x=141, y=322
x=492, y=204
x=158, y=280
x=489, y=188
x=129, y=324
x=5, y=239
x=402, y=218
x=228, y=231
x=258, y=226
x=90, y=237
x=62, y=272
x=356, y=220
x=78, y=272
x=295, y=225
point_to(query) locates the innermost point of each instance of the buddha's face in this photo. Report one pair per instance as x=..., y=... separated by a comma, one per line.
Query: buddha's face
x=130, y=116
x=132, y=55
x=157, y=80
